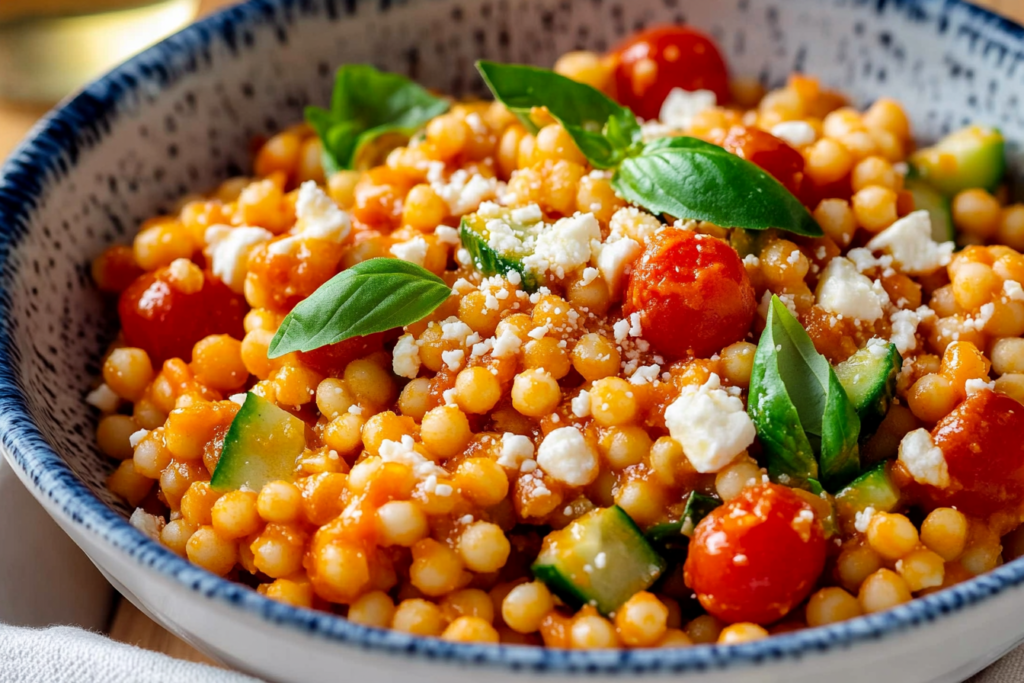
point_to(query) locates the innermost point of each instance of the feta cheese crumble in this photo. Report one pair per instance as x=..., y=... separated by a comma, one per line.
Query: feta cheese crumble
x=711, y=425
x=973, y=386
x=923, y=459
x=565, y=246
x=615, y=259
x=843, y=290
x=515, y=450
x=104, y=398
x=795, y=133
x=565, y=455
x=406, y=357
x=581, y=404
x=910, y=242
x=680, y=106
x=413, y=251
x=230, y=249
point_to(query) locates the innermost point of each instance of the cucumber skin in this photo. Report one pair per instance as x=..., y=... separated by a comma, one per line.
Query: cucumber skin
x=572, y=595
x=875, y=488
x=982, y=165
x=489, y=262
x=874, y=406
x=668, y=538
x=938, y=207
x=229, y=475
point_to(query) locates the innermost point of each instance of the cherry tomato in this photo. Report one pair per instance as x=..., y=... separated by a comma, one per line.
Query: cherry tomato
x=331, y=360
x=166, y=322
x=692, y=293
x=653, y=62
x=756, y=557
x=984, y=452
x=773, y=155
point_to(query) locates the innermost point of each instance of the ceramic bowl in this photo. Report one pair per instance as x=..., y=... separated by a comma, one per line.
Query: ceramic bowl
x=180, y=117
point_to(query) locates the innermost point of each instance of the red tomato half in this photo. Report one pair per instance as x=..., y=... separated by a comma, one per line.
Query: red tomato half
x=166, y=323
x=653, y=62
x=773, y=155
x=692, y=293
x=331, y=360
x=756, y=557
x=982, y=441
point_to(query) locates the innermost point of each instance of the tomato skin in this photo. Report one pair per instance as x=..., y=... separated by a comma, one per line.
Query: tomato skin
x=693, y=294
x=682, y=58
x=331, y=360
x=984, y=452
x=756, y=557
x=166, y=323
x=773, y=155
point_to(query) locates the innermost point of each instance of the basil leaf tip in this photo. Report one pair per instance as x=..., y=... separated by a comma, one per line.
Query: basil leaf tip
x=370, y=112
x=689, y=178
x=605, y=131
x=372, y=296
x=806, y=423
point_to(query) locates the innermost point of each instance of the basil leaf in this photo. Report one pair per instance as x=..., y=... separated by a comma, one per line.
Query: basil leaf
x=366, y=104
x=689, y=178
x=805, y=421
x=605, y=131
x=372, y=296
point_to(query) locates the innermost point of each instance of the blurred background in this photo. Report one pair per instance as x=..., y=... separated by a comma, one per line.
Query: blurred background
x=50, y=48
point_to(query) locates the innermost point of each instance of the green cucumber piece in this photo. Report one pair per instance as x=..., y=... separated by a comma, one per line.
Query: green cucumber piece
x=869, y=378
x=971, y=157
x=673, y=538
x=491, y=260
x=874, y=489
x=938, y=207
x=600, y=559
x=261, y=446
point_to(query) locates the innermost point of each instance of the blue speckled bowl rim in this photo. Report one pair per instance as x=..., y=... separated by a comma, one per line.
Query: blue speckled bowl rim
x=54, y=146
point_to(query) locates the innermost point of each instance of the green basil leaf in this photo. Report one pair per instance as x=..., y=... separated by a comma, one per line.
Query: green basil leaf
x=366, y=105
x=806, y=423
x=605, y=131
x=372, y=296
x=689, y=178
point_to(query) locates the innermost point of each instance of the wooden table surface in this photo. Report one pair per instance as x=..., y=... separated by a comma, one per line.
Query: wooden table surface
x=129, y=624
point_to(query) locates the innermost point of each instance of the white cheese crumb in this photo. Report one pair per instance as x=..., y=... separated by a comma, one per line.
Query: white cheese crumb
x=904, y=327
x=104, y=398
x=538, y=332
x=464, y=192
x=910, y=242
x=795, y=133
x=230, y=249
x=863, y=518
x=565, y=455
x=600, y=560
x=589, y=275
x=581, y=404
x=1012, y=290
x=406, y=357
x=137, y=437
x=516, y=449
x=711, y=425
x=634, y=325
x=404, y=452
x=449, y=397
x=973, y=386
x=527, y=214
x=151, y=525
x=845, y=291
x=447, y=235
x=614, y=261
x=645, y=374
x=455, y=329
x=565, y=246
x=453, y=358
x=680, y=106
x=621, y=331
x=413, y=251
x=318, y=215
x=506, y=344
x=923, y=459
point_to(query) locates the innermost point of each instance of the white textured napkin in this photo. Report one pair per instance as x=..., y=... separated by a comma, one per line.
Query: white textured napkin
x=45, y=579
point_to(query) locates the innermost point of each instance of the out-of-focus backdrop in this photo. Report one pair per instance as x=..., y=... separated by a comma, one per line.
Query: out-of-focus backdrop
x=48, y=48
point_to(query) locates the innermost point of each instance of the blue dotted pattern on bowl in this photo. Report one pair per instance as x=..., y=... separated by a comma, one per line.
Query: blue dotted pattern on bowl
x=50, y=340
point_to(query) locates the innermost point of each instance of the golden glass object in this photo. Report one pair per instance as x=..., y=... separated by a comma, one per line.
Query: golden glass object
x=49, y=48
